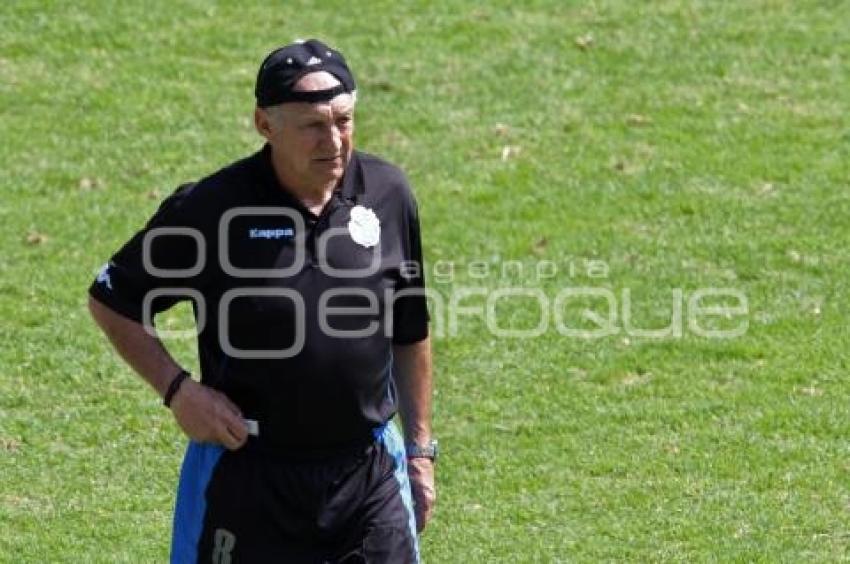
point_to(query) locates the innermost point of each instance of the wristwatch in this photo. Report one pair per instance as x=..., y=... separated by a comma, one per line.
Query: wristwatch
x=428, y=451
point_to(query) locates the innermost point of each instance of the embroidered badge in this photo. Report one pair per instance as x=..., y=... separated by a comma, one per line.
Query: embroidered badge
x=364, y=227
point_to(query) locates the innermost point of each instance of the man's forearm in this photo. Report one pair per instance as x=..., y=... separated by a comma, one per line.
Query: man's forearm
x=413, y=377
x=143, y=352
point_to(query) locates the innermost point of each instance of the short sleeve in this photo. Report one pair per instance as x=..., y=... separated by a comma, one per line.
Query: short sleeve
x=164, y=263
x=410, y=307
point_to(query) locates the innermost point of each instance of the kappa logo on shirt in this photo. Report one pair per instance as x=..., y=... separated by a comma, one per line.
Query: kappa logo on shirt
x=280, y=233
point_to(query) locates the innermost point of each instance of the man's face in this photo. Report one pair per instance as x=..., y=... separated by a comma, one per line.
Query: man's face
x=311, y=143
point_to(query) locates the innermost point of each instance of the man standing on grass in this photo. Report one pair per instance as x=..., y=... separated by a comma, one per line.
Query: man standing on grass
x=303, y=266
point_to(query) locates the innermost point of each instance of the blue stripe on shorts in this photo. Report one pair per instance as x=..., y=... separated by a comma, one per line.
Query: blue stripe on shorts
x=391, y=438
x=198, y=466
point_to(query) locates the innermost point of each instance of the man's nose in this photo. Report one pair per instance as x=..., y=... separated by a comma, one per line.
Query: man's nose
x=333, y=138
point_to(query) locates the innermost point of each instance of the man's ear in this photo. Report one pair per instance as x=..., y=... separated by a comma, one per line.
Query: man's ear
x=262, y=122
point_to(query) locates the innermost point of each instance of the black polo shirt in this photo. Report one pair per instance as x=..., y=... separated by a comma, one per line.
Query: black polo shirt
x=297, y=312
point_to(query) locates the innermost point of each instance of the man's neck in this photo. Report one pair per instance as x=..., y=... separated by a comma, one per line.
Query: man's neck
x=316, y=200
x=314, y=197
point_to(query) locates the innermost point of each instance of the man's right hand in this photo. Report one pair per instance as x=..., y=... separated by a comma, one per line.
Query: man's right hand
x=208, y=416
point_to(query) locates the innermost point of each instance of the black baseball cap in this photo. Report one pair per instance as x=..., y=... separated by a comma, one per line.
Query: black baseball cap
x=285, y=66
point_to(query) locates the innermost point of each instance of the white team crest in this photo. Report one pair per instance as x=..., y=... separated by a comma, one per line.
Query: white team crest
x=364, y=227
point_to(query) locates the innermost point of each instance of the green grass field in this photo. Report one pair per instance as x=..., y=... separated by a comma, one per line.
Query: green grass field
x=684, y=145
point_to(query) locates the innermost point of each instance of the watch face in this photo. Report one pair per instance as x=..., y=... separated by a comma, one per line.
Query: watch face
x=434, y=449
x=417, y=451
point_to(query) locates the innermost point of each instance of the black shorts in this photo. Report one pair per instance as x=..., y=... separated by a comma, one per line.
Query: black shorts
x=248, y=506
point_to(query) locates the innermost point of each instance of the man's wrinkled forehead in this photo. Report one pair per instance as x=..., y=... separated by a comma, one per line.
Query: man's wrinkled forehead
x=340, y=105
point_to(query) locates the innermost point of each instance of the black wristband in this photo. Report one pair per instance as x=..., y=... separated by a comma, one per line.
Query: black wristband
x=174, y=386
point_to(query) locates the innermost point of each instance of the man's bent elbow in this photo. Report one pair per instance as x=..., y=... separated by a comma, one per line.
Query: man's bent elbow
x=96, y=310
x=102, y=314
